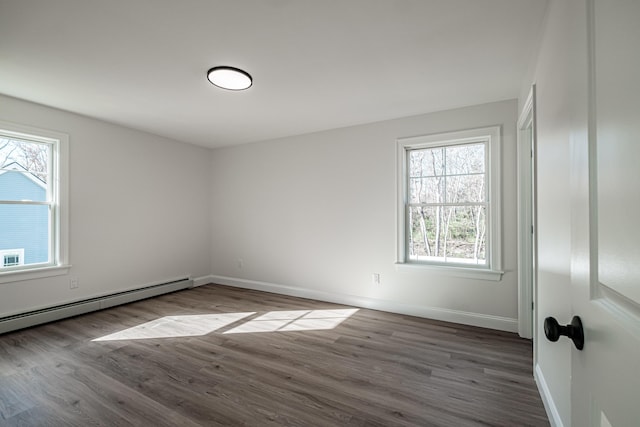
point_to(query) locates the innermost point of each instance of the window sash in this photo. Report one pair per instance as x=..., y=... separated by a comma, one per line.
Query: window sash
x=411, y=205
x=25, y=202
x=442, y=260
x=468, y=262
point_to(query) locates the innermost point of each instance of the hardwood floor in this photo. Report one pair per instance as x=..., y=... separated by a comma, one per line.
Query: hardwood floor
x=216, y=355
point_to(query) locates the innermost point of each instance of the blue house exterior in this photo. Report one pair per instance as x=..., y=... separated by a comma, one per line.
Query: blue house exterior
x=23, y=227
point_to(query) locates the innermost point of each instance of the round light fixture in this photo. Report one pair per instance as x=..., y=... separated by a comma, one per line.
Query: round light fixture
x=229, y=78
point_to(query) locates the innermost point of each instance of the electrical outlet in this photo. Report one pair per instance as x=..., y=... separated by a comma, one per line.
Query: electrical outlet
x=74, y=283
x=240, y=263
x=375, y=278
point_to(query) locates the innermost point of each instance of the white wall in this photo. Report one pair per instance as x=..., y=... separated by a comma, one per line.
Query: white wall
x=314, y=215
x=140, y=209
x=561, y=115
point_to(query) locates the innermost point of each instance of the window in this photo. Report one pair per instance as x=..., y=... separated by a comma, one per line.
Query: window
x=33, y=208
x=449, y=200
x=11, y=260
x=12, y=257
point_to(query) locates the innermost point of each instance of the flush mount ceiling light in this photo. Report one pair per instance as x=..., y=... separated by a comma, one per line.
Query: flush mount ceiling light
x=229, y=78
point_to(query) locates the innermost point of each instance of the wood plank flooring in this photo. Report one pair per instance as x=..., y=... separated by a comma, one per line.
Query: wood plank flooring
x=216, y=355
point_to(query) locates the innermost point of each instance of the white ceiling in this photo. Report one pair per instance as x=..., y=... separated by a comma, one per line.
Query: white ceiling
x=317, y=64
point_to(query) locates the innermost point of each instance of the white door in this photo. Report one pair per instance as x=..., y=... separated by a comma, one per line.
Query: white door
x=605, y=270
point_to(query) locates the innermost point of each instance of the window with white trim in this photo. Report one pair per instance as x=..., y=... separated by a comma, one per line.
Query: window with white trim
x=449, y=199
x=32, y=199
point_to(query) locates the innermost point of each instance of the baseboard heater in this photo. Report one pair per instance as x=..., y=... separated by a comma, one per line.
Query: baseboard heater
x=45, y=315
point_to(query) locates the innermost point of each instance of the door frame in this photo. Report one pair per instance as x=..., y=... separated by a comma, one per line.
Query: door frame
x=527, y=227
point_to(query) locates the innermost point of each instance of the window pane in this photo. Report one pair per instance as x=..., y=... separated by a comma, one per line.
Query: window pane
x=426, y=239
x=26, y=227
x=466, y=189
x=465, y=234
x=33, y=157
x=465, y=159
x=448, y=234
x=426, y=162
x=21, y=186
x=426, y=190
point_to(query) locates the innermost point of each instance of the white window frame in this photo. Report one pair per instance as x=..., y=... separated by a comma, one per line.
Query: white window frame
x=491, y=136
x=59, y=181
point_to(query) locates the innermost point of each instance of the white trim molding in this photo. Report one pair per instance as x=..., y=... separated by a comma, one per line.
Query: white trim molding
x=526, y=218
x=203, y=280
x=447, y=315
x=547, y=399
x=34, y=273
x=467, y=273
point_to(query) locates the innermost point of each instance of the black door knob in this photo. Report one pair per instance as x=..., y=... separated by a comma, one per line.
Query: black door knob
x=574, y=330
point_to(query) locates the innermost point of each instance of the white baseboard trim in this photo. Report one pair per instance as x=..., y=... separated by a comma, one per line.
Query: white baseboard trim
x=547, y=400
x=436, y=313
x=204, y=280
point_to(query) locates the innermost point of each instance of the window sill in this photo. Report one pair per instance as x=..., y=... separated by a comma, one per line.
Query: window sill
x=469, y=273
x=34, y=273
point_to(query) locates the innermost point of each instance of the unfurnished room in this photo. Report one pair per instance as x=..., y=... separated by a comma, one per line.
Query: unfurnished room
x=319, y=213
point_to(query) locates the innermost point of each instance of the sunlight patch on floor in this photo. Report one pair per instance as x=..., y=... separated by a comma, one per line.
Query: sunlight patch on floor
x=177, y=326
x=297, y=320
x=203, y=324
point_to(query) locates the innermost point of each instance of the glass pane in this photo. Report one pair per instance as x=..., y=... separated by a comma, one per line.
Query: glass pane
x=451, y=234
x=24, y=155
x=465, y=159
x=426, y=233
x=426, y=190
x=22, y=186
x=466, y=189
x=465, y=234
x=426, y=162
x=25, y=228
